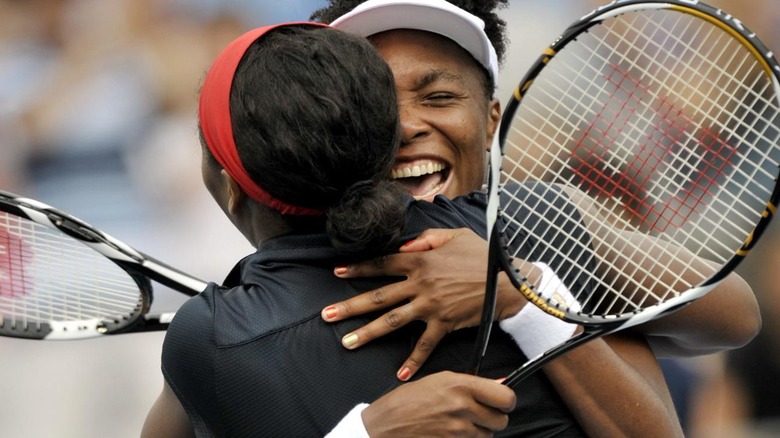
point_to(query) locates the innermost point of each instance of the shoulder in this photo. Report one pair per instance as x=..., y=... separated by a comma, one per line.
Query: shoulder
x=254, y=301
x=538, y=196
x=188, y=351
x=463, y=211
x=195, y=315
x=191, y=327
x=542, y=222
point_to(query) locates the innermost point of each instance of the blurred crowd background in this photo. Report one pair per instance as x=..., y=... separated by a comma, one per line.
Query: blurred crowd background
x=97, y=117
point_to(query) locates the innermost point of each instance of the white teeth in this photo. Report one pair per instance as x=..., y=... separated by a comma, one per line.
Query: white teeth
x=417, y=170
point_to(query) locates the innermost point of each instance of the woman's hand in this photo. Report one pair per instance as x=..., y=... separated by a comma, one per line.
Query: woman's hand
x=444, y=404
x=445, y=272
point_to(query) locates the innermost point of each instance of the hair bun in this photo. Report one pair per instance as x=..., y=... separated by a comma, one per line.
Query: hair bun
x=369, y=215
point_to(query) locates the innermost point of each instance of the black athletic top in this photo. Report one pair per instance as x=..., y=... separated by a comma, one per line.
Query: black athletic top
x=254, y=358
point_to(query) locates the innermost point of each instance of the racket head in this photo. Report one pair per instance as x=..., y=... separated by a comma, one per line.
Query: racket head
x=647, y=134
x=60, y=278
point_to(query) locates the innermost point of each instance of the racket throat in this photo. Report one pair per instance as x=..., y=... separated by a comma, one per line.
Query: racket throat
x=491, y=295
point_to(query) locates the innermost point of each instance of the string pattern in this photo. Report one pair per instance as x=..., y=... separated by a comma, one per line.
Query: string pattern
x=47, y=277
x=660, y=131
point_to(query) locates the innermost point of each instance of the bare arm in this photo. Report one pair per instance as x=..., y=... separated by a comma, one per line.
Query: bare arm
x=726, y=318
x=167, y=418
x=445, y=290
x=614, y=387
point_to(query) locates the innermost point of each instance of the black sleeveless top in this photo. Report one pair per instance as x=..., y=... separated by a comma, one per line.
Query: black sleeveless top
x=253, y=358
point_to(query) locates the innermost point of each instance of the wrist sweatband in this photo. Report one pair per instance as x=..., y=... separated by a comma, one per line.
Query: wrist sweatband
x=534, y=330
x=351, y=426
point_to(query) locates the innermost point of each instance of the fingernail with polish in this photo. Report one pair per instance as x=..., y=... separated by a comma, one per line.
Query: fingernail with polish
x=330, y=312
x=341, y=270
x=404, y=373
x=349, y=340
x=408, y=243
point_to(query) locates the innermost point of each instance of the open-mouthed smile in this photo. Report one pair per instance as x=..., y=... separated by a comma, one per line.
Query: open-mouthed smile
x=423, y=179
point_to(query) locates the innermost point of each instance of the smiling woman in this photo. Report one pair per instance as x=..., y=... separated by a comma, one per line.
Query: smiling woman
x=310, y=199
x=447, y=119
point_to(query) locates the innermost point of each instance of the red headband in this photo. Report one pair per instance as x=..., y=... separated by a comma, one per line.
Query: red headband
x=217, y=126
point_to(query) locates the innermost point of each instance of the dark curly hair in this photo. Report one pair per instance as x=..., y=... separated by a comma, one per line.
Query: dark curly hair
x=315, y=121
x=495, y=27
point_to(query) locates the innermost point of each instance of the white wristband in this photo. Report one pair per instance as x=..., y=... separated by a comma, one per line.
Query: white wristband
x=552, y=288
x=351, y=426
x=534, y=330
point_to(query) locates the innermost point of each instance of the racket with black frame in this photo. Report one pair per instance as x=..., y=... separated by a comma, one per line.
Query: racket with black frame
x=638, y=159
x=61, y=279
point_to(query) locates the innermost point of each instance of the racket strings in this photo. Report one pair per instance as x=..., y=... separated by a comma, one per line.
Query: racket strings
x=733, y=66
x=695, y=60
x=650, y=283
x=49, y=277
x=568, y=258
x=590, y=74
x=655, y=116
x=748, y=93
x=616, y=204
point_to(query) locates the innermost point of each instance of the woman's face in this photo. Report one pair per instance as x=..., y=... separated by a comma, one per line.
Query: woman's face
x=447, y=121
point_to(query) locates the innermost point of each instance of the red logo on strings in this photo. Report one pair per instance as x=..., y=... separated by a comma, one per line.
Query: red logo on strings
x=663, y=176
x=14, y=255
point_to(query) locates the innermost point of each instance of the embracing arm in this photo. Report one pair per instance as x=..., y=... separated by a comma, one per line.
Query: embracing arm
x=440, y=405
x=445, y=290
x=726, y=318
x=614, y=387
x=582, y=371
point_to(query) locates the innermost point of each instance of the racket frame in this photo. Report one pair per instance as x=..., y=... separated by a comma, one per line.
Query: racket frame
x=499, y=260
x=139, y=266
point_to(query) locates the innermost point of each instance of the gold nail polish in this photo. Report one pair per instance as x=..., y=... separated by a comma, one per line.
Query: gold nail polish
x=349, y=340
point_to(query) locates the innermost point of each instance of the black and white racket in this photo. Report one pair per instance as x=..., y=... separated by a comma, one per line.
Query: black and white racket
x=60, y=278
x=640, y=162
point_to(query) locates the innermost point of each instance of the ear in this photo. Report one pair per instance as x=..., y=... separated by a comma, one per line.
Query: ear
x=236, y=195
x=494, y=119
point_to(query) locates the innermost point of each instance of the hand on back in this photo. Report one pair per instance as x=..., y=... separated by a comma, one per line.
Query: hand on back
x=445, y=272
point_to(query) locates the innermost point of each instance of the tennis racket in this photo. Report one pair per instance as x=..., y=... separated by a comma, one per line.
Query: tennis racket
x=60, y=278
x=638, y=159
